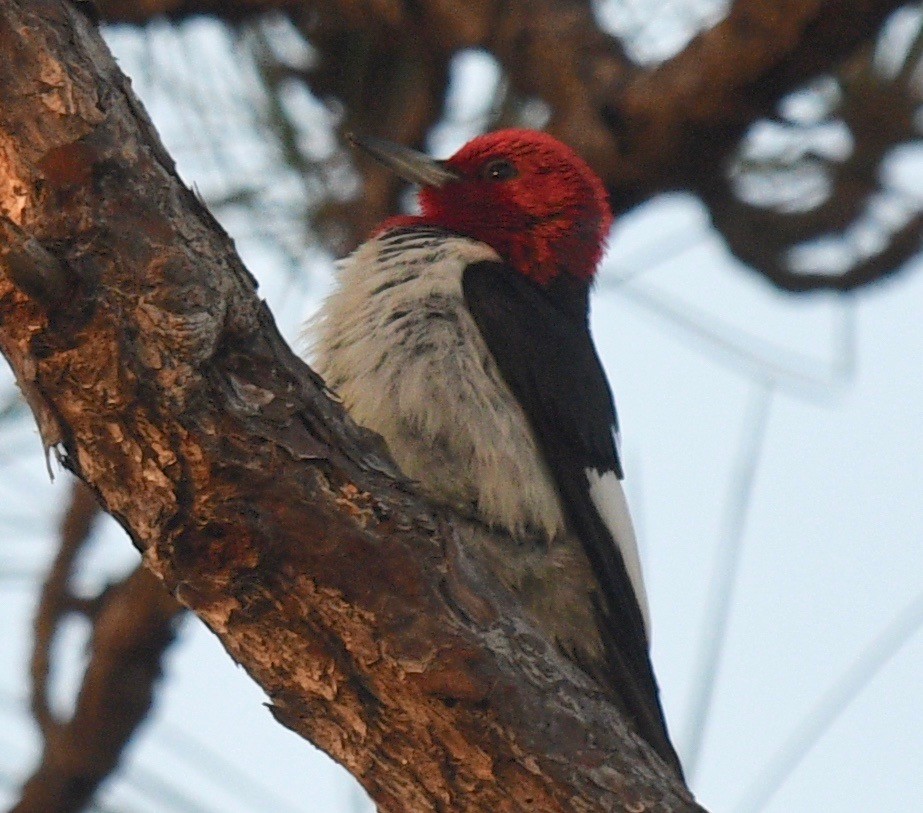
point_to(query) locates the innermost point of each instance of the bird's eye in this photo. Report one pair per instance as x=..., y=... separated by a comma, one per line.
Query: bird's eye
x=499, y=170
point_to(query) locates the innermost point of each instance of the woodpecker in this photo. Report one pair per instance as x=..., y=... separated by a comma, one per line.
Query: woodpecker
x=461, y=335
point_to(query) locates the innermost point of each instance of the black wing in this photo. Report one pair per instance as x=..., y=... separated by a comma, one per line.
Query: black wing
x=541, y=343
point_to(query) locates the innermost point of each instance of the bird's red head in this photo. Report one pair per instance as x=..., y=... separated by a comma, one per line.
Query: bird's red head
x=524, y=193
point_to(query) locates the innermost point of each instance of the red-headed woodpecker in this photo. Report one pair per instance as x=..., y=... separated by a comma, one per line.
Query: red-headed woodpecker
x=461, y=335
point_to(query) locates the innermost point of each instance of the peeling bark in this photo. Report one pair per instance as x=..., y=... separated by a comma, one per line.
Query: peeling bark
x=163, y=383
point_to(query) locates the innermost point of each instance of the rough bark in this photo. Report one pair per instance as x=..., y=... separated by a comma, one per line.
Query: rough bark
x=157, y=376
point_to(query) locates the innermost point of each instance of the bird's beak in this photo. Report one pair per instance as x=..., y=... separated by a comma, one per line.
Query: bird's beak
x=412, y=166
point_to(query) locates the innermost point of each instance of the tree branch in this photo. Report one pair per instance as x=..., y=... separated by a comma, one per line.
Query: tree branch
x=133, y=623
x=389, y=86
x=881, y=113
x=132, y=628
x=643, y=130
x=686, y=117
x=674, y=127
x=57, y=600
x=162, y=381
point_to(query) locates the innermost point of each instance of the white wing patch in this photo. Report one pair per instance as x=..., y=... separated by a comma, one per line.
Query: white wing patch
x=608, y=497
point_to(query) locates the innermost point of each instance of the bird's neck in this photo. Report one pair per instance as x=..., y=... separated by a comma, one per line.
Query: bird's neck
x=548, y=252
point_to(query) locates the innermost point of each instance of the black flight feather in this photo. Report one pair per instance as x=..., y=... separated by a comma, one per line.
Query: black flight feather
x=540, y=340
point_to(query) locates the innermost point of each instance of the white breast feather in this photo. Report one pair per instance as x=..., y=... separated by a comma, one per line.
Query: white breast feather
x=397, y=343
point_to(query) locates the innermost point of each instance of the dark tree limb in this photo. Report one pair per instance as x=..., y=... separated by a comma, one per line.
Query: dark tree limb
x=133, y=12
x=881, y=113
x=741, y=224
x=677, y=126
x=132, y=625
x=687, y=116
x=644, y=131
x=57, y=600
x=388, y=86
x=164, y=384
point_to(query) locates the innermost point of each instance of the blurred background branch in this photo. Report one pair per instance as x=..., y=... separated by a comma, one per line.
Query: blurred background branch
x=132, y=624
x=782, y=121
